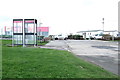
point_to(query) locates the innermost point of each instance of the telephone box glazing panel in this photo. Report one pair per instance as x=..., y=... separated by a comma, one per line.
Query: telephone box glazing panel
x=30, y=39
x=17, y=26
x=18, y=39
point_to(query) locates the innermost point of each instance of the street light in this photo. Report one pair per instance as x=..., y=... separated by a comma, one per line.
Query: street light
x=40, y=26
x=103, y=24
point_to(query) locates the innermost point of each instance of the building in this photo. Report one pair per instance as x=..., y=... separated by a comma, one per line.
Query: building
x=91, y=34
x=114, y=33
x=43, y=31
x=6, y=30
x=97, y=34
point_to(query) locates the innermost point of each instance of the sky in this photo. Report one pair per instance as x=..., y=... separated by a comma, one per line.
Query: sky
x=62, y=16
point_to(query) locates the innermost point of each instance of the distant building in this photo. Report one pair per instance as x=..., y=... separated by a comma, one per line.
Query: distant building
x=43, y=31
x=115, y=33
x=7, y=30
x=91, y=34
x=97, y=33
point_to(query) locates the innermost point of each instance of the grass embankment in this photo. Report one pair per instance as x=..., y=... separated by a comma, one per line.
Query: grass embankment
x=19, y=62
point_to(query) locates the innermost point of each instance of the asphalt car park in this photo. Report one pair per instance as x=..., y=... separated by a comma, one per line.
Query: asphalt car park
x=101, y=53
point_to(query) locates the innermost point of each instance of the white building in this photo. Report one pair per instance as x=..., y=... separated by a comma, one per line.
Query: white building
x=6, y=30
x=97, y=34
x=91, y=34
x=114, y=33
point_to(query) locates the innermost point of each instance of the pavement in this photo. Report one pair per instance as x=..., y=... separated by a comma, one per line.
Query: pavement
x=57, y=44
x=101, y=53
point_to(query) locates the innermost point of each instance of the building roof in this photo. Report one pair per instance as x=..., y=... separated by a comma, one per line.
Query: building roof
x=89, y=31
x=111, y=31
x=97, y=31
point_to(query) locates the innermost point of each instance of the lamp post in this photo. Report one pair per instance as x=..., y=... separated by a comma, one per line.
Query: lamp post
x=113, y=36
x=103, y=23
x=40, y=30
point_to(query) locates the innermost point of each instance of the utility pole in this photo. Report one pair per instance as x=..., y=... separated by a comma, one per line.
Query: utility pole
x=103, y=23
x=40, y=30
x=113, y=36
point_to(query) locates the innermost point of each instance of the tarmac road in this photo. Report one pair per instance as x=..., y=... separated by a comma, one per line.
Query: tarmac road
x=102, y=53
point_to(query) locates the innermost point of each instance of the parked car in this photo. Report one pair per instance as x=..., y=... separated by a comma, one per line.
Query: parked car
x=60, y=37
x=98, y=36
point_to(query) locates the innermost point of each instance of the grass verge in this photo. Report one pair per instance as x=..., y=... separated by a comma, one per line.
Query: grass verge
x=19, y=62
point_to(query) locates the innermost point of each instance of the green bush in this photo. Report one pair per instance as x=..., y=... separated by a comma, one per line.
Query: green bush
x=106, y=37
x=47, y=39
x=75, y=37
x=40, y=37
x=70, y=36
x=117, y=38
x=6, y=36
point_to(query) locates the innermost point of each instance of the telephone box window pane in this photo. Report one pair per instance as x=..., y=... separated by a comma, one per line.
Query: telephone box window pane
x=29, y=28
x=17, y=27
x=30, y=39
x=18, y=39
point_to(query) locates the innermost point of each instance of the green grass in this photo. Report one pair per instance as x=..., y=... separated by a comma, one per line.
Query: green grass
x=9, y=43
x=19, y=62
x=0, y=59
x=115, y=40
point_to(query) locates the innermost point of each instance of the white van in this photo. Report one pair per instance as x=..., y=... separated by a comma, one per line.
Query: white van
x=97, y=36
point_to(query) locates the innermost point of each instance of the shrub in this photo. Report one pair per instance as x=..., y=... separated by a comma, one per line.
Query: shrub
x=117, y=38
x=76, y=37
x=47, y=39
x=70, y=36
x=106, y=37
x=40, y=37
